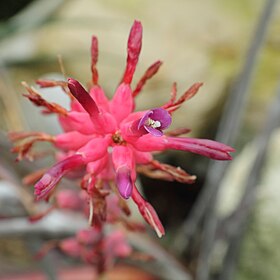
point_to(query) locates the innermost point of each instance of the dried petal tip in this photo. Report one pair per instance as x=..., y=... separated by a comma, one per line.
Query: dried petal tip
x=151, y=217
x=124, y=182
x=154, y=121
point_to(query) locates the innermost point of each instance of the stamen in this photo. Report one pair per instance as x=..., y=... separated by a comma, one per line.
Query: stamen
x=152, y=123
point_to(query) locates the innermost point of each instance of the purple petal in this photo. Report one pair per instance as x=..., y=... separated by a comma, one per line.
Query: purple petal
x=124, y=182
x=144, y=119
x=159, y=114
x=154, y=131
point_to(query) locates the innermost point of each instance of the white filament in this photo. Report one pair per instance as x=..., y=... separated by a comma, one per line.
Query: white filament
x=153, y=124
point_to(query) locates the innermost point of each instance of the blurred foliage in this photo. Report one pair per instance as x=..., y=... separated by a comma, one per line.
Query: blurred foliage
x=11, y=7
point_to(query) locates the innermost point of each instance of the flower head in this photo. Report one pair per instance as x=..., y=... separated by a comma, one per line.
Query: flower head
x=105, y=140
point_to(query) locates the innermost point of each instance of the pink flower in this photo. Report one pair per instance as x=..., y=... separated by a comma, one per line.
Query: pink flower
x=108, y=140
x=96, y=248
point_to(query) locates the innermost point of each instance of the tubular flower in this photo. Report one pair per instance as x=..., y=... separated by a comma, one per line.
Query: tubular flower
x=106, y=141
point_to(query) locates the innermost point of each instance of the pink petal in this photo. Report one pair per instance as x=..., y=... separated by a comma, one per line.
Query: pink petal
x=97, y=166
x=80, y=122
x=122, y=103
x=95, y=149
x=99, y=98
x=72, y=140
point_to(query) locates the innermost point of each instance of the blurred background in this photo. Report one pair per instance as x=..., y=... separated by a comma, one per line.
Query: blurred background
x=226, y=225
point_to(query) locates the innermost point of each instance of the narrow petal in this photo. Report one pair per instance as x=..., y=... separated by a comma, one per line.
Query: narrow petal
x=134, y=45
x=205, y=147
x=173, y=105
x=94, y=58
x=150, y=72
x=208, y=148
x=38, y=100
x=50, y=179
x=83, y=97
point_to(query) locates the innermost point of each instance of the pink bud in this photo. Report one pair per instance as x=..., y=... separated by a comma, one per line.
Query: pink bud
x=122, y=158
x=115, y=245
x=69, y=199
x=88, y=236
x=71, y=247
x=134, y=45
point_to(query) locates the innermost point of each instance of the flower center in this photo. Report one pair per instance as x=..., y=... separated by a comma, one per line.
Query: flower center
x=152, y=123
x=117, y=138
